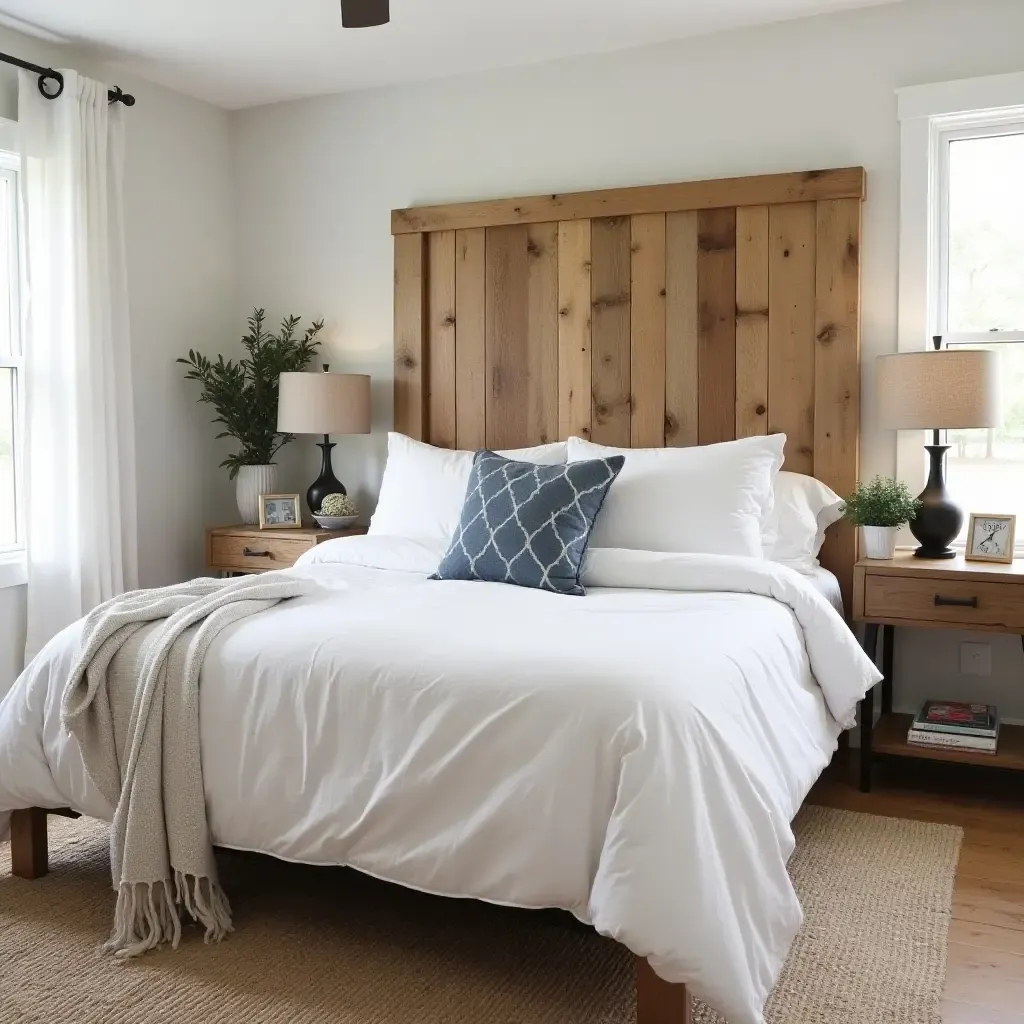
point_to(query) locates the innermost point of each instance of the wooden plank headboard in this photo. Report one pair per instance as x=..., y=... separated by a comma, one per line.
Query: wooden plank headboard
x=660, y=315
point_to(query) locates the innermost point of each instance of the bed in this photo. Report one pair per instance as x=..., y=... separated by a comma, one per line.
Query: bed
x=484, y=741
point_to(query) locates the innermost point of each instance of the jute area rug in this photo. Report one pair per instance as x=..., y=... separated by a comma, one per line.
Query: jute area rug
x=324, y=945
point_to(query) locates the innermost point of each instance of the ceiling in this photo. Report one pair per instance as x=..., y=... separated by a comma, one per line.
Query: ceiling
x=240, y=53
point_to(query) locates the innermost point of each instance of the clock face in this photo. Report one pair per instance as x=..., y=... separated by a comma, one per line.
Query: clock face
x=991, y=537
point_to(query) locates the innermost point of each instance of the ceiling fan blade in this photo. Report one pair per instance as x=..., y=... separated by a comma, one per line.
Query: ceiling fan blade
x=364, y=13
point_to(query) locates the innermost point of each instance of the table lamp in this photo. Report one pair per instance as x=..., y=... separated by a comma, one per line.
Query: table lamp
x=324, y=403
x=955, y=389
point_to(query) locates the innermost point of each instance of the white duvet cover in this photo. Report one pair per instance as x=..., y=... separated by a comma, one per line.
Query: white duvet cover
x=634, y=756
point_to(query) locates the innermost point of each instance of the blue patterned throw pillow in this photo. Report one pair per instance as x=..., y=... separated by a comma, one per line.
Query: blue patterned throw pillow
x=528, y=525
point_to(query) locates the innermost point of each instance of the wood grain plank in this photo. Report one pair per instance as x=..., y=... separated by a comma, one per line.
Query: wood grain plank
x=1007, y=836
x=507, y=328
x=758, y=190
x=837, y=344
x=441, y=339
x=947, y=809
x=410, y=328
x=968, y=1013
x=470, y=335
x=836, y=368
x=681, y=329
x=647, y=331
x=987, y=936
x=716, y=296
x=995, y=858
x=791, y=318
x=987, y=901
x=610, y=320
x=752, y=243
x=542, y=335
x=985, y=976
x=574, y=351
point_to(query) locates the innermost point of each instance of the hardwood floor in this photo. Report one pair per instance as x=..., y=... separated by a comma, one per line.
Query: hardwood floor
x=985, y=973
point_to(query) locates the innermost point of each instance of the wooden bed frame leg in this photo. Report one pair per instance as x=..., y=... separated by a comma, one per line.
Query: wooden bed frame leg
x=29, y=854
x=658, y=1001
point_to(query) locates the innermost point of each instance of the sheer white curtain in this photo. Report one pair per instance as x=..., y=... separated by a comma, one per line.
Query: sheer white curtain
x=80, y=450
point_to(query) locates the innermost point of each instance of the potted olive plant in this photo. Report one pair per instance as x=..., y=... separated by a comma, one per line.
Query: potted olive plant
x=880, y=508
x=244, y=396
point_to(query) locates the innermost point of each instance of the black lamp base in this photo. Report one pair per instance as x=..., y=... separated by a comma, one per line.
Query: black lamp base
x=938, y=555
x=939, y=520
x=326, y=483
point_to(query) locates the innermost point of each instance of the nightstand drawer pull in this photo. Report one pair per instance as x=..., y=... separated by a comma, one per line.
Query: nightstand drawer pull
x=955, y=602
x=249, y=553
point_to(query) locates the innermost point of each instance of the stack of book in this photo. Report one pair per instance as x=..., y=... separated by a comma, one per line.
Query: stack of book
x=955, y=726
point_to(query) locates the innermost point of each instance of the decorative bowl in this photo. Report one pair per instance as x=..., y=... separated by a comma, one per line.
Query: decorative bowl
x=335, y=522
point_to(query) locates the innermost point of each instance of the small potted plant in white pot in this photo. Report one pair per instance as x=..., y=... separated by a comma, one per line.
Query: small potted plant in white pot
x=880, y=508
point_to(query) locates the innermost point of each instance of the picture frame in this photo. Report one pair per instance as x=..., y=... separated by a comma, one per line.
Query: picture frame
x=280, y=512
x=990, y=538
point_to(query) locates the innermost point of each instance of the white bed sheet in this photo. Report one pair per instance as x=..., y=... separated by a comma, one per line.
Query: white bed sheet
x=635, y=756
x=827, y=584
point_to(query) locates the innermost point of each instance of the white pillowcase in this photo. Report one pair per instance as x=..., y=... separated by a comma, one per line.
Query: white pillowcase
x=424, y=487
x=803, y=510
x=712, y=499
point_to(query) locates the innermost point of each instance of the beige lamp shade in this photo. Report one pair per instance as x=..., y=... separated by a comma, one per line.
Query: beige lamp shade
x=950, y=389
x=324, y=403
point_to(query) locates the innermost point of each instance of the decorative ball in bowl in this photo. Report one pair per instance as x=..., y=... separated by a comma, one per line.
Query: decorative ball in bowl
x=336, y=512
x=335, y=522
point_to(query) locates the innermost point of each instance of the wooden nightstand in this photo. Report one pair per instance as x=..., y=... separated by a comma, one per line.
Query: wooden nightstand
x=925, y=594
x=248, y=549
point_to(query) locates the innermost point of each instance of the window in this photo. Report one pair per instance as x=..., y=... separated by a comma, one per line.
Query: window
x=962, y=267
x=11, y=376
x=980, y=300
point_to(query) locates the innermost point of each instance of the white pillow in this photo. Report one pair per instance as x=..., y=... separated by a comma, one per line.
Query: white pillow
x=803, y=510
x=708, y=500
x=424, y=487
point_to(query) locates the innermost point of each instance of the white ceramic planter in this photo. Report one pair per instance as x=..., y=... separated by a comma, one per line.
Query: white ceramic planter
x=251, y=482
x=879, y=541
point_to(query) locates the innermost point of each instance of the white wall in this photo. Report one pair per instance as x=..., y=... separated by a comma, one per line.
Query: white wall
x=316, y=179
x=181, y=280
x=180, y=248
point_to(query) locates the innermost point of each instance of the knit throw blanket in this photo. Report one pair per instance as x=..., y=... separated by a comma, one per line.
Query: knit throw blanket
x=132, y=702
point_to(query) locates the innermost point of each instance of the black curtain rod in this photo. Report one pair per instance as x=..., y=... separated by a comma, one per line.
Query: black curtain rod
x=51, y=92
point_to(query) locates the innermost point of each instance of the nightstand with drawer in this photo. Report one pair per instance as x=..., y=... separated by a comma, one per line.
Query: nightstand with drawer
x=925, y=594
x=248, y=549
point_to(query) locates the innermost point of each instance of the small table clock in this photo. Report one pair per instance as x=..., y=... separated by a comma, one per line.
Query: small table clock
x=990, y=538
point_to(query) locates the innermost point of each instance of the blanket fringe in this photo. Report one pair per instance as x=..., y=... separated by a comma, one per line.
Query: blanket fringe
x=147, y=914
x=210, y=907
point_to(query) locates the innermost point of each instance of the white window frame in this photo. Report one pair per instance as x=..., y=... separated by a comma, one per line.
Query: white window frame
x=13, y=557
x=985, y=125
x=932, y=116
